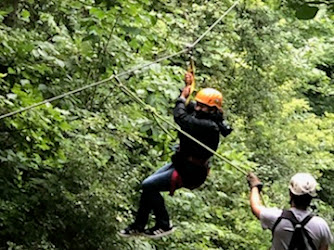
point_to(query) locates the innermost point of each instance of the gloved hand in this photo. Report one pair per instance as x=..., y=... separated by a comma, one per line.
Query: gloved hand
x=254, y=181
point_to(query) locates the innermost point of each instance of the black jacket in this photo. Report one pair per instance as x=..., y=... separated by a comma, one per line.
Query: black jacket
x=205, y=128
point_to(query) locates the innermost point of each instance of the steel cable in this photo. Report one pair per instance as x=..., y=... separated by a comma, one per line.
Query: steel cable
x=120, y=74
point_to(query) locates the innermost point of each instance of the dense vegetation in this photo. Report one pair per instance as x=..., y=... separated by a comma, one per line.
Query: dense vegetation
x=70, y=171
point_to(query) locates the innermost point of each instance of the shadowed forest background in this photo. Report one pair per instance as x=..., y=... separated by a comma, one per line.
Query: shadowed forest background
x=70, y=171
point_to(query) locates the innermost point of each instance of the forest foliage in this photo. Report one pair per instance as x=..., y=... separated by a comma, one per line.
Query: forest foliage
x=70, y=170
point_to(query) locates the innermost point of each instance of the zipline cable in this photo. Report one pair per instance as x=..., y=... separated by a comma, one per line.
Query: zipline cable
x=56, y=97
x=142, y=103
x=121, y=74
x=90, y=85
x=157, y=115
x=214, y=24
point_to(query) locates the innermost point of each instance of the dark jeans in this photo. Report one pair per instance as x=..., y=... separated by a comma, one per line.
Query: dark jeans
x=151, y=198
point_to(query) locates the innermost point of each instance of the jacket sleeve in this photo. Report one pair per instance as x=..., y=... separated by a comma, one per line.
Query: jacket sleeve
x=188, y=122
x=224, y=127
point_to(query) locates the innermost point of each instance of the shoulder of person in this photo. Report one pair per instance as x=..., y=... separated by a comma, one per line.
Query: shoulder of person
x=191, y=105
x=181, y=99
x=271, y=211
x=269, y=216
x=319, y=220
x=301, y=214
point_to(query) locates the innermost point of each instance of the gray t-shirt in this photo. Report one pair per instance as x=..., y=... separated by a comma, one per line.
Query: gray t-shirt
x=317, y=228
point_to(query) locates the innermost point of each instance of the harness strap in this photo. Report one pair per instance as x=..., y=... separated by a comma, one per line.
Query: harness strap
x=176, y=182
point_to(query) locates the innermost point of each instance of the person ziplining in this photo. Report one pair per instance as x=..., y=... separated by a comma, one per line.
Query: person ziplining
x=189, y=167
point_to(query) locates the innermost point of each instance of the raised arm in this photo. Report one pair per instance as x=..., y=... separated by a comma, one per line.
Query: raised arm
x=255, y=200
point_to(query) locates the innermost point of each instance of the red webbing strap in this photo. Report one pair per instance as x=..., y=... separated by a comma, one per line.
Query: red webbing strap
x=176, y=182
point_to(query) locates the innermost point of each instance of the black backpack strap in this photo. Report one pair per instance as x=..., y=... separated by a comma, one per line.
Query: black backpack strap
x=297, y=240
x=289, y=215
x=283, y=215
x=309, y=239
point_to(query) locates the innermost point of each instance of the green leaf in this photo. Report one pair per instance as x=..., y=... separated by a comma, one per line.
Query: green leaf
x=25, y=15
x=11, y=71
x=11, y=96
x=24, y=82
x=132, y=30
x=100, y=14
x=60, y=63
x=64, y=126
x=5, y=12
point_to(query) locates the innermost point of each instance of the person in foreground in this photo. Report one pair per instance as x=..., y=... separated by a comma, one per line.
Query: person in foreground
x=295, y=228
x=190, y=164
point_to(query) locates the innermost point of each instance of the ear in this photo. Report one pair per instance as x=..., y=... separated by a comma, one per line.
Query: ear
x=291, y=200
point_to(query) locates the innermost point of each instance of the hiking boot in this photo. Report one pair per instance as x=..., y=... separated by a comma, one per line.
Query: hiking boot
x=157, y=232
x=131, y=230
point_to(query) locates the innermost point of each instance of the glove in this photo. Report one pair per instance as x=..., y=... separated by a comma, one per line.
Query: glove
x=254, y=181
x=224, y=128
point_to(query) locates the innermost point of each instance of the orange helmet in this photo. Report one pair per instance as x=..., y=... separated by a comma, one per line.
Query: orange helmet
x=210, y=97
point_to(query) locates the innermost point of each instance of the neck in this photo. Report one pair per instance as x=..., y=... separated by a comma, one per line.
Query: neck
x=298, y=207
